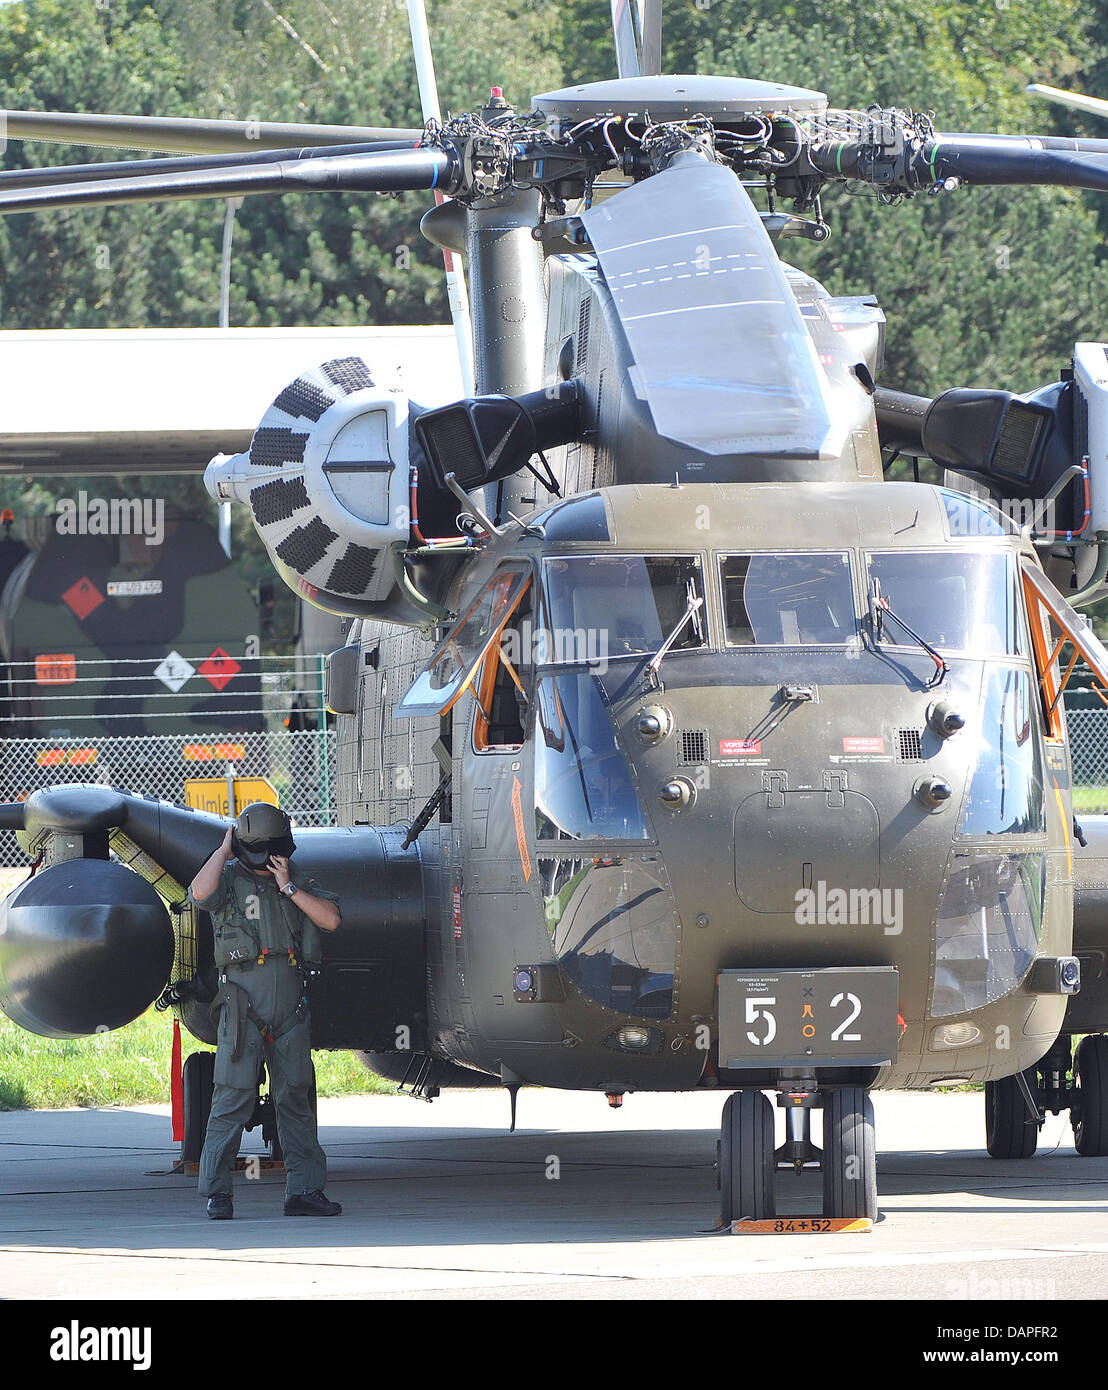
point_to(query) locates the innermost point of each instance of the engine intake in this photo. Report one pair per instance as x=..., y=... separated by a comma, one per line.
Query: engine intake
x=327, y=479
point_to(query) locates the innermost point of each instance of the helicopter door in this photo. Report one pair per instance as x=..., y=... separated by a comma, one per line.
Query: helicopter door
x=1045, y=605
x=455, y=663
x=503, y=689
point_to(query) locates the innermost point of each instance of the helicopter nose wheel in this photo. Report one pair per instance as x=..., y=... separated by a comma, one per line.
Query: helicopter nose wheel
x=747, y=1164
x=849, y=1154
x=1011, y=1120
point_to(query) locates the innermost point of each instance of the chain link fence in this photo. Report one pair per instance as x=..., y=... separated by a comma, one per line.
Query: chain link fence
x=285, y=749
x=1088, y=734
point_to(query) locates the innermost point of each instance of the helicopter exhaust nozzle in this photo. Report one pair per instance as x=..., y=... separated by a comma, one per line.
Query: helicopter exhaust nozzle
x=86, y=946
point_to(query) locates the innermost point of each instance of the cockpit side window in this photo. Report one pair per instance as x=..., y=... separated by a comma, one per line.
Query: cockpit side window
x=603, y=606
x=788, y=600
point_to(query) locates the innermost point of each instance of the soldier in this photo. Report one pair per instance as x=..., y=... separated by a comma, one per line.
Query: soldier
x=266, y=943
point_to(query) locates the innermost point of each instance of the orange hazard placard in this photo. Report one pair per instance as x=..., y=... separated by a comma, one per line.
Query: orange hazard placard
x=56, y=668
x=521, y=832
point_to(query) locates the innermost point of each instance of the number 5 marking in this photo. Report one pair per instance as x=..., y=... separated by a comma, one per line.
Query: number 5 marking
x=838, y=1035
x=754, y=1013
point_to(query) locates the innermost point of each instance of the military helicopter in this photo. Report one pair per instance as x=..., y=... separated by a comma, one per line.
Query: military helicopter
x=678, y=748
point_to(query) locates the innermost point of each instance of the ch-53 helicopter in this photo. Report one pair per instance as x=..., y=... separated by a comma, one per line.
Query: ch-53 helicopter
x=678, y=748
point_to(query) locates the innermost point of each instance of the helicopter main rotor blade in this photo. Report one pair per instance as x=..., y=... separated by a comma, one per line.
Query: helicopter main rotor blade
x=395, y=171
x=186, y=164
x=186, y=135
x=637, y=31
x=1095, y=106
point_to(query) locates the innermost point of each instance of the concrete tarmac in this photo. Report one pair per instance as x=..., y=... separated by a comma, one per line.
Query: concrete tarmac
x=582, y=1202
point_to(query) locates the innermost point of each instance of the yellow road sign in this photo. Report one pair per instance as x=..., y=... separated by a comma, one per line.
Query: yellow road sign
x=210, y=793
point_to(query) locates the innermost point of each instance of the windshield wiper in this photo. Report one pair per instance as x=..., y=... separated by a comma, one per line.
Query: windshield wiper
x=651, y=680
x=880, y=609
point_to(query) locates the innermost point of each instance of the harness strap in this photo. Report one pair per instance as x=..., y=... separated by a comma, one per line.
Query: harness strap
x=236, y=999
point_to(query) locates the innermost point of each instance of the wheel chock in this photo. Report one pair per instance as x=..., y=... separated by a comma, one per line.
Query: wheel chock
x=253, y=1164
x=801, y=1226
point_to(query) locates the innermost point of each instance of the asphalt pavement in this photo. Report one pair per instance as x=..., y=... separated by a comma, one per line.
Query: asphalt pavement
x=582, y=1202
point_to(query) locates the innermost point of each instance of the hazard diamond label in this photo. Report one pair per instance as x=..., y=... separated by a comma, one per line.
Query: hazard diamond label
x=220, y=668
x=173, y=671
x=83, y=597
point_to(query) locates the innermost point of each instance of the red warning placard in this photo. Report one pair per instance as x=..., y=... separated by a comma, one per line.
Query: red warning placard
x=871, y=744
x=739, y=747
x=220, y=668
x=83, y=597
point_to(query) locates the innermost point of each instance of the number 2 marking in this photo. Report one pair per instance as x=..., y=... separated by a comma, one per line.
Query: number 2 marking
x=838, y=1035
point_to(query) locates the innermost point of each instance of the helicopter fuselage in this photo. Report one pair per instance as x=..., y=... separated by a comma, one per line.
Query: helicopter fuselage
x=793, y=786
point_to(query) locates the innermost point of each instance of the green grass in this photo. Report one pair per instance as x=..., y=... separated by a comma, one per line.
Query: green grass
x=1090, y=800
x=130, y=1067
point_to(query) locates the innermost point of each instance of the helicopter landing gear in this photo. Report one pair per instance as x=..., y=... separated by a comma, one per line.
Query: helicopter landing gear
x=747, y=1163
x=849, y=1154
x=198, y=1083
x=1012, y=1115
x=798, y=1151
x=1089, y=1106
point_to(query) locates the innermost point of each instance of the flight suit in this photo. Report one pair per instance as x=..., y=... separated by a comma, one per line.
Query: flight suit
x=252, y=919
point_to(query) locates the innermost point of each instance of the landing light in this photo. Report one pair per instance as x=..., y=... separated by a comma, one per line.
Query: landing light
x=956, y=1035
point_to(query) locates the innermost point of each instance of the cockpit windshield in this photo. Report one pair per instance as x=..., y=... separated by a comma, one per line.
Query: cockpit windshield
x=956, y=600
x=622, y=604
x=788, y=600
x=583, y=784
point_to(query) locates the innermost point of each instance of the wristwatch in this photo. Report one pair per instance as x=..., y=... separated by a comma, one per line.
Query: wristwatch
x=289, y=889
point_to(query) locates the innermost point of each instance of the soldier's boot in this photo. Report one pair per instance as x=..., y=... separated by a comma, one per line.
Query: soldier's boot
x=311, y=1204
x=220, y=1206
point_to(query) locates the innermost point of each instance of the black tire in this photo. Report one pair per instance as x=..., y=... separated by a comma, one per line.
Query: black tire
x=1010, y=1130
x=198, y=1084
x=849, y=1154
x=747, y=1170
x=1089, y=1114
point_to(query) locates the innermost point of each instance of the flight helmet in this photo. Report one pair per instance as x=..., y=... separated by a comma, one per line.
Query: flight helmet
x=261, y=830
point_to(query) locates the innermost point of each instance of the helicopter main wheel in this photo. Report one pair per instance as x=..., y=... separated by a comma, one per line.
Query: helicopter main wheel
x=198, y=1087
x=849, y=1154
x=1010, y=1129
x=747, y=1161
x=1089, y=1113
